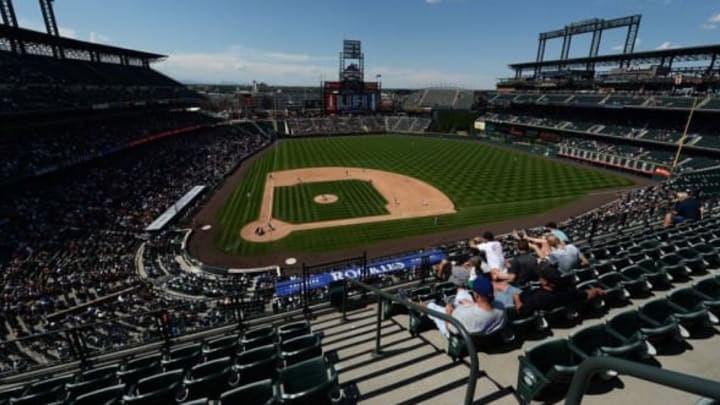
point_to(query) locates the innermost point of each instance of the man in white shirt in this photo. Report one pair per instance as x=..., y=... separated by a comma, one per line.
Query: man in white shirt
x=493, y=251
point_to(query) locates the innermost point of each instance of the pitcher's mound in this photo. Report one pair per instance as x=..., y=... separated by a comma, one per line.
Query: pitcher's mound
x=325, y=198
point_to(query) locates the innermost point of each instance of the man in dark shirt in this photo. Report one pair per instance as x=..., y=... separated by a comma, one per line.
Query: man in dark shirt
x=685, y=209
x=523, y=267
x=551, y=293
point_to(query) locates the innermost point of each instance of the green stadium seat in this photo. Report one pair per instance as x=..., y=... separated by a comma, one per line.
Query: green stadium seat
x=221, y=347
x=292, y=330
x=691, y=300
x=589, y=273
x=56, y=384
x=655, y=274
x=75, y=389
x=312, y=381
x=525, y=325
x=614, y=285
x=5, y=395
x=99, y=372
x=630, y=325
x=105, y=396
x=300, y=348
x=182, y=357
x=621, y=263
x=258, y=337
x=675, y=266
x=710, y=291
x=156, y=389
x=43, y=392
x=206, y=380
x=254, y=365
x=423, y=294
x=501, y=337
x=445, y=289
x=548, y=364
x=199, y=401
x=693, y=260
x=709, y=253
x=133, y=370
x=636, y=281
x=602, y=268
x=258, y=393
x=597, y=341
x=663, y=312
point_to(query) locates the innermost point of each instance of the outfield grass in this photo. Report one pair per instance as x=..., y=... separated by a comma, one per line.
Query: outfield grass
x=356, y=198
x=486, y=184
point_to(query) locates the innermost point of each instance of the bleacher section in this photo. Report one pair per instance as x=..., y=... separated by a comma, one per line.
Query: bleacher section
x=36, y=83
x=356, y=125
x=447, y=99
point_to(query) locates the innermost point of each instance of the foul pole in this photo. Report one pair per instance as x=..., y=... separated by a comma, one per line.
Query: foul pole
x=681, y=143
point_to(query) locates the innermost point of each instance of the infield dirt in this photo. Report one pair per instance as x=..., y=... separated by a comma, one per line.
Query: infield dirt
x=407, y=197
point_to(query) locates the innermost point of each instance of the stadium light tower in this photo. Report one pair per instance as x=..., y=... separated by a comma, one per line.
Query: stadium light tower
x=7, y=12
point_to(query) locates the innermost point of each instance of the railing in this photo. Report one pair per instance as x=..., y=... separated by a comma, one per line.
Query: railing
x=590, y=367
x=472, y=353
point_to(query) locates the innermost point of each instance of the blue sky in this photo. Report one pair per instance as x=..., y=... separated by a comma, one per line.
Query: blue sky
x=411, y=43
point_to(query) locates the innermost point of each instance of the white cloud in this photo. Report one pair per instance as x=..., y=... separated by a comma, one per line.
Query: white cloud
x=708, y=26
x=711, y=23
x=237, y=64
x=433, y=1
x=617, y=48
x=97, y=37
x=714, y=19
x=667, y=45
x=242, y=65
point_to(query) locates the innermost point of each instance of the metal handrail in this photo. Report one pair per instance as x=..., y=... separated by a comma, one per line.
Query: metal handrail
x=472, y=353
x=588, y=368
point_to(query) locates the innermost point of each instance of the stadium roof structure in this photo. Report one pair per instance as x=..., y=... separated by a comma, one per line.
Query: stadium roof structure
x=34, y=39
x=662, y=57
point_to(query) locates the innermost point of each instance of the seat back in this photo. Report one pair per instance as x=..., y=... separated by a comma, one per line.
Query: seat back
x=626, y=324
x=300, y=348
x=103, y=396
x=590, y=340
x=100, y=372
x=52, y=385
x=658, y=310
x=550, y=354
x=293, y=330
x=687, y=298
x=183, y=358
x=258, y=393
x=306, y=381
x=74, y=390
x=257, y=364
x=224, y=341
x=163, y=382
x=208, y=379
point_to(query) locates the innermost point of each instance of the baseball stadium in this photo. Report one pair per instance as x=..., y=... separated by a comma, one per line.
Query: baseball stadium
x=352, y=241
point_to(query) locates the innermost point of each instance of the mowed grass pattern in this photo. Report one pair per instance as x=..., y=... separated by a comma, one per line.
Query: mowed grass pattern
x=356, y=198
x=486, y=183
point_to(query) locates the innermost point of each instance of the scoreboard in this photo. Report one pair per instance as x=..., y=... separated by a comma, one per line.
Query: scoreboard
x=351, y=97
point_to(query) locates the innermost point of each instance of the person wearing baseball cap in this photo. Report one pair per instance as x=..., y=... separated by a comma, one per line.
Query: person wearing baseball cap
x=477, y=316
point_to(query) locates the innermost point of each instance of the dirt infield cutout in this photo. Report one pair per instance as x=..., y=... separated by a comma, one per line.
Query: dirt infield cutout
x=407, y=197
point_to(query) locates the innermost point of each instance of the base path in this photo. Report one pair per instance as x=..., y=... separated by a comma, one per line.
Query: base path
x=407, y=197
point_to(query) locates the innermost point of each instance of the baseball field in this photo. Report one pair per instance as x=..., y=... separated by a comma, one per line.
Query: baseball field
x=325, y=194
